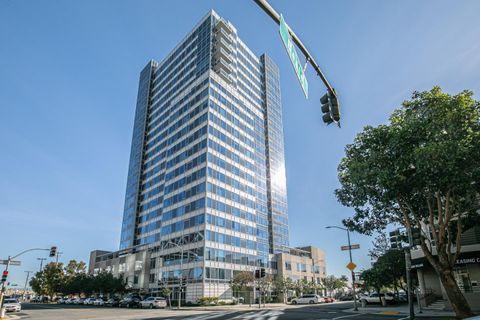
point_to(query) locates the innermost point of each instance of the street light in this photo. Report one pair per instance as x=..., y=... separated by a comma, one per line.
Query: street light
x=353, y=274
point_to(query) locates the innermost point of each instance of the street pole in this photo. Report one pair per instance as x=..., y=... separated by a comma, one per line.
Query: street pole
x=408, y=263
x=41, y=263
x=58, y=255
x=351, y=261
x=265, y=6
x=355, y=308
x=2, y=292
x=26, y=282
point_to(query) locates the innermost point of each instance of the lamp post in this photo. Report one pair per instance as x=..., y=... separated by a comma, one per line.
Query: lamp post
x=350, y=253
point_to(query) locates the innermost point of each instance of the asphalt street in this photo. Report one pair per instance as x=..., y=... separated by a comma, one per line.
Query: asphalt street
x=307, y=312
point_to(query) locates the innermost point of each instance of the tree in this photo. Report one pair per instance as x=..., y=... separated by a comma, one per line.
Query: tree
x=421, y=169
x=242, y=281
x=49, y=280
x=375, y=278
x=392, y=263
x=380, y=246
x=282, y=285
x=333, y=283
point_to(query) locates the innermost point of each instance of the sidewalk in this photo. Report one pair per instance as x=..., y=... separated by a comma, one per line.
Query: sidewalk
x=403, y=310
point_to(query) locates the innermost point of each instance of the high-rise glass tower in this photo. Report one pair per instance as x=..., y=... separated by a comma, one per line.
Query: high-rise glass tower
x=207, y=169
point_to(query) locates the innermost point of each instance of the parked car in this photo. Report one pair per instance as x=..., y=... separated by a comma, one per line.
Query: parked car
x=375, y=298
x=88, y=301
x=308, y=298
x=69, y=301
x=153, y=302
x=12, y=305
x=130, y=302
x=98, y=302
x=61, y=300
x=328, y=299
x=112, y=302
x=78, y=301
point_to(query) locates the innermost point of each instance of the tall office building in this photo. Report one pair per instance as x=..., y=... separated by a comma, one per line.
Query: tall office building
x=207, y=172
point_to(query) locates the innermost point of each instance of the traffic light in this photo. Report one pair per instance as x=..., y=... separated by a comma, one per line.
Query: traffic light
x=262, y=273
x=53, y=251
x=257, y=274
x=330, y=108
x=416, y=236
x=4, y=276
x=395, y=241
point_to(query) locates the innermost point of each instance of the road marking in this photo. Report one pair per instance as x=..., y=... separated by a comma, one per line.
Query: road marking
x=348, y=316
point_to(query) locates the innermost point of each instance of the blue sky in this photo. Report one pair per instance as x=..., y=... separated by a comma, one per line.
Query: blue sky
x=68, y=82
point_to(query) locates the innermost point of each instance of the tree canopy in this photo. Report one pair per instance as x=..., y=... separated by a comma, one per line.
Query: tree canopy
x=421, y=169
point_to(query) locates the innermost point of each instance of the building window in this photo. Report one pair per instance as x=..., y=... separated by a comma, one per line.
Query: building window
x=288, y=265
x=152, y=278
x=315, y=269
x=302, y=267
x=153, y=263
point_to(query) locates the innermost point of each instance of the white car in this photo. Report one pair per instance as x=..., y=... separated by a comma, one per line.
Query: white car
x=88, y=301
x=153, y=302
x=98, y=302
x=69, y=301
x=308, y=299
x=61, y=301
x=12, y=305
x=375, y=298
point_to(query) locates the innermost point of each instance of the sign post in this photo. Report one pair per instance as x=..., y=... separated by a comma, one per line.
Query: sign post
x=292, y=54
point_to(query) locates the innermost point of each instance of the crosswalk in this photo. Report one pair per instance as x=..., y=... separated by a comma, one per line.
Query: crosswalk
x=251, y=315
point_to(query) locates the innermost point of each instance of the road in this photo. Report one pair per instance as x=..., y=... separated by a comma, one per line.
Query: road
x=334, y=311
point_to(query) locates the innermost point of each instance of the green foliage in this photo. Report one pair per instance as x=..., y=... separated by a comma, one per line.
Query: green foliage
x=48, y=281
x=205, y=301
x=419, y=169
x=73, y=280
x=333, y=283
x=242, y=281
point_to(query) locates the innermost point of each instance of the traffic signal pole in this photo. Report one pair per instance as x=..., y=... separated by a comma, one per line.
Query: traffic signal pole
x=276, y=17
x=3, y=289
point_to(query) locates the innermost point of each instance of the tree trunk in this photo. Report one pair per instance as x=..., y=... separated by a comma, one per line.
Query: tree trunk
x=455, y=296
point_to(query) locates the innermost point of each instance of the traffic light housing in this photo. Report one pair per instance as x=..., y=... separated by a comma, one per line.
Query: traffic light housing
x=260, y=273
x=4, y=276
x=395, y=239
x=330, y=108
x=416, y=236
x=53, y=252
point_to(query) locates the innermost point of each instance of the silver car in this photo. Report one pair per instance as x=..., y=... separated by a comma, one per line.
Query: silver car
x=12, y=305
x=153, y=302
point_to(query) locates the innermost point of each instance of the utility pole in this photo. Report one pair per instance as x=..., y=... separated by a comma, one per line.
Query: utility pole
x=26, y=283
x=41, y=263
x=57, y=256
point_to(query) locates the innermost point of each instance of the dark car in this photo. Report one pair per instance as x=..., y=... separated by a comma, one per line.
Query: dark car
x=130, y=302
x=113, y=302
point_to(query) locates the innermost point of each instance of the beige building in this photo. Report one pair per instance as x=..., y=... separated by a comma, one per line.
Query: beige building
x=300, y=263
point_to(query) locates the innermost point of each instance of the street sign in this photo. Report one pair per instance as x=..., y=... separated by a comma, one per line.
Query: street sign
x=351, y=266
x=352, y=247
x=292, y=54
x=12, y=262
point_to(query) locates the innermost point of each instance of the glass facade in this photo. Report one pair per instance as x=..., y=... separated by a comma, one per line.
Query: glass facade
x=207, y=171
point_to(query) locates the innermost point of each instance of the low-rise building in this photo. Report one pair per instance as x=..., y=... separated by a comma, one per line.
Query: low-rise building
x=466, y=272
